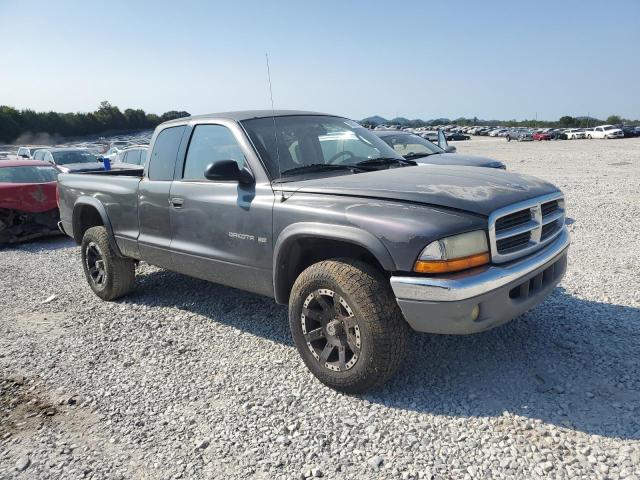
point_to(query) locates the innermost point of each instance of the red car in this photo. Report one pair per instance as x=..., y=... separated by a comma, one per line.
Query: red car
x=28, y=200
x=541, y=136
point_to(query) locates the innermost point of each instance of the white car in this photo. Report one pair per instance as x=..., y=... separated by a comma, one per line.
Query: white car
x=575, y=133
x=605, y=131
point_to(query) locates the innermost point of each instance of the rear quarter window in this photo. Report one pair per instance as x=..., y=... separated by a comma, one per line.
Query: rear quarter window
x=165, y=152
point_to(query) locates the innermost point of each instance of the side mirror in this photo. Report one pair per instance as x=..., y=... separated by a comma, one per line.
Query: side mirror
x=450, y=149
x=228, y=171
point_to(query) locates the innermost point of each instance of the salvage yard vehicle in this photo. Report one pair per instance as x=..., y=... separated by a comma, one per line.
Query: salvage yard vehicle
x=70, y=159
x=322, y=215
x=26, y=152
x=424, y=152
x=605, y=131
x=575, y=133
x=133, y=157
x=541, y=136
x=28, y=207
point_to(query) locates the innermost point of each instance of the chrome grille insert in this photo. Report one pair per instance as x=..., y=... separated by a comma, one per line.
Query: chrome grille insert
x=522, y=228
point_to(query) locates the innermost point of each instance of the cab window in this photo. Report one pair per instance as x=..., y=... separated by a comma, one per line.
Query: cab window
x=209, y=144
x=165, y=153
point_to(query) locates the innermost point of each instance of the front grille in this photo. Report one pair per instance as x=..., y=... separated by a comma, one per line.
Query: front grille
x=513, y=220
x=549, y=229
x=549, y=207
x=514, y=242
x=520, y=229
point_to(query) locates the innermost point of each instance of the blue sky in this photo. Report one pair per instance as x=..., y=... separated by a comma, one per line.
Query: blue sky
x=425, y=59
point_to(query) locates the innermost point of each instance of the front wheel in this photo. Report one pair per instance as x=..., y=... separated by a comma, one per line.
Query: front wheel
x=109, y=275
x=589, y=137
x=347, y=325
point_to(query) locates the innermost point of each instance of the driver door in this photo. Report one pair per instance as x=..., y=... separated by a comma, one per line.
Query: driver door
x=222, y=230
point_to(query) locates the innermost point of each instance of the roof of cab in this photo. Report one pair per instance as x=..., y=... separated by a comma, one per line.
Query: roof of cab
x=247, y=115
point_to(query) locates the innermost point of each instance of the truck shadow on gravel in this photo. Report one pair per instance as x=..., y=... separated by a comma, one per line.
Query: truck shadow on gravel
x=40, y=244
x=569, y=362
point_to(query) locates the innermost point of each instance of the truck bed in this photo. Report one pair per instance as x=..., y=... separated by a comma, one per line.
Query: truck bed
x=114, y=193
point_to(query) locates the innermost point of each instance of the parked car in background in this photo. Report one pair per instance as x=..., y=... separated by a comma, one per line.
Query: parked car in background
x=414, y=147
x=519, y=135
x=70, y=159
x=134, y=157
x=575, y=133
x=26, y=152
x=28, y=207
x=629, y=131
x=541, y=136
x=605, y=131
x=430, y=135
x=456, y=136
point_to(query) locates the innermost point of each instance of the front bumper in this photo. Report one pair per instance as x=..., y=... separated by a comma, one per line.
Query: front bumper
x=445, y=304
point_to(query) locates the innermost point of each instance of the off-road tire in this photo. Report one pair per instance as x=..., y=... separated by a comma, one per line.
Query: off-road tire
x=382, y=328
x=119, y=272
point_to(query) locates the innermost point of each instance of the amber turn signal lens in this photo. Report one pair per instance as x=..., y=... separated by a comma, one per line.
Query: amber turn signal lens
x=455, y=265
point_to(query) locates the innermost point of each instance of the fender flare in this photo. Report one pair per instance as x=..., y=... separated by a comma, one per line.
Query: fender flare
x=84, y=201
x=342, y=233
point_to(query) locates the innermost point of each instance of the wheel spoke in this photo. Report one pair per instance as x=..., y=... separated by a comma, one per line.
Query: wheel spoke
x=328, y=348
x=341, y=358
x=351, y=341
x=322, y=302
x=336, y=305
x=349, y=322
x=311, y=314
x=314, y=335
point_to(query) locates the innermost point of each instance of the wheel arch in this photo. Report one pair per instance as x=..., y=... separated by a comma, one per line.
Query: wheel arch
x=303, y=244
x=89, y=212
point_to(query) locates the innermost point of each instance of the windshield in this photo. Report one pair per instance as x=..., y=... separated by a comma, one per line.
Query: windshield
x=65, y=157
x=314, y=140
x=411, y=146
x=28, y=174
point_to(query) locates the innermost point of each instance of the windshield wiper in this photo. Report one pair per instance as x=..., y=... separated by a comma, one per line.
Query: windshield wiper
x=319, y=167
x=419, y=155
x=380, y=161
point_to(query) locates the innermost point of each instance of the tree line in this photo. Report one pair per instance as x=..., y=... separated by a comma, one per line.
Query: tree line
x=564, y=122
x=107, y=118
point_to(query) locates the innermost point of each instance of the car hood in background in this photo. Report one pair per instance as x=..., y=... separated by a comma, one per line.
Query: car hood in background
x=472, y=189
x=28, y=197
x=458, y=159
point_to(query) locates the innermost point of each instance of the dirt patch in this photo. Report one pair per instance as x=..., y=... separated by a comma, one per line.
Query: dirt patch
x=22, y=407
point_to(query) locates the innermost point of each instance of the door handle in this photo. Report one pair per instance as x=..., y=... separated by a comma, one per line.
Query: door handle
x=176, y=202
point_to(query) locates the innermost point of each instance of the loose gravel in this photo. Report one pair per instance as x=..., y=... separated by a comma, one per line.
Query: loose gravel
x=185, y=379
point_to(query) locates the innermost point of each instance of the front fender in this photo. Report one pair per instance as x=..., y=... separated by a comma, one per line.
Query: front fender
x=341, y=233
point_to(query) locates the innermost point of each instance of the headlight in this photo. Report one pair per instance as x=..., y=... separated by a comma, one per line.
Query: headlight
x=455, y=253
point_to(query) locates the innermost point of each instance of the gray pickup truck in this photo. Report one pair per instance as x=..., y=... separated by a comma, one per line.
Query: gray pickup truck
x=323, y=216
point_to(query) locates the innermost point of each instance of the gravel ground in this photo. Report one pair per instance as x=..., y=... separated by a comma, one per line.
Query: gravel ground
x=185, y=379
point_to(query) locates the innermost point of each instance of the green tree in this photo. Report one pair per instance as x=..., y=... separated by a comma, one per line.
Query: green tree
x=567, y=121
x=614, y=120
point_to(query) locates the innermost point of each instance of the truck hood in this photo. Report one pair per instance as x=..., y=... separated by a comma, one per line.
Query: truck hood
x=458, y=159
x=471, y=189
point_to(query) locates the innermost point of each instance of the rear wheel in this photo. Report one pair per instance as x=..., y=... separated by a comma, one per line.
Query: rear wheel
x=347, y=325
x=108, y=275
x=589, y=137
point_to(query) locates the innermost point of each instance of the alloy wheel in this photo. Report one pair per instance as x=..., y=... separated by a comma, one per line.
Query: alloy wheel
x=331, y=330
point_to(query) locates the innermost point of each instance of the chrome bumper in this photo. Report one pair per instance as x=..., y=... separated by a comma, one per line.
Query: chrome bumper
x=472, y=283
x=482, y=298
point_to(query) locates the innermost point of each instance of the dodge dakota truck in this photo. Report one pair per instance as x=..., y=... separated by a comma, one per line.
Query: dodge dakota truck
x=325, y=217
